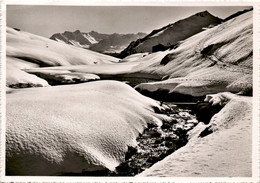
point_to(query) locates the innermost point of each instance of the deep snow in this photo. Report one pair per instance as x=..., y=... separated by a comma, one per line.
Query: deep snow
x=86, y=127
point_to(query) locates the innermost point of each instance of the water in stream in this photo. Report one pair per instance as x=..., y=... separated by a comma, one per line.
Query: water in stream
x=154, y=144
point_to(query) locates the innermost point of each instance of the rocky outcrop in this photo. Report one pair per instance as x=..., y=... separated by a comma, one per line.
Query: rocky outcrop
x=172, y=33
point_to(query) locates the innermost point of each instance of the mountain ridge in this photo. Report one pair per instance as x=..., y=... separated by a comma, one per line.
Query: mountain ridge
x=171, y=34
x=103, y=43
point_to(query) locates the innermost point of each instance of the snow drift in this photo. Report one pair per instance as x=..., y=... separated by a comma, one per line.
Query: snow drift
x=25, y=50
x=86, y=127
x=223, y=148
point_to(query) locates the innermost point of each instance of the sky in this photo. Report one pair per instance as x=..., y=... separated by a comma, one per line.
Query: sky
x=46, y=20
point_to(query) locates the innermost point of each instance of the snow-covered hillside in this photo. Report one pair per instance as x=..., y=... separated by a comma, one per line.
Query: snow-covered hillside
x=25, y=50
x=218, y=59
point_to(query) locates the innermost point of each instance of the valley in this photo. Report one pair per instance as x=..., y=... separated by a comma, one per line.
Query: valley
x=174, y=103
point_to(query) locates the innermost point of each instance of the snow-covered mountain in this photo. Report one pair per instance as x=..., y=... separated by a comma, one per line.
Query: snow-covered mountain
x=169, y=35
x=25, y=50
x=215, y=60
x=103, y=43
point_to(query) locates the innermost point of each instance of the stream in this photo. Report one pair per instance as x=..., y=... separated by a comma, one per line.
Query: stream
x=154, y=144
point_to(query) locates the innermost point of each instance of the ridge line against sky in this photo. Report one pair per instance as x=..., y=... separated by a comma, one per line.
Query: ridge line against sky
x=46, y=20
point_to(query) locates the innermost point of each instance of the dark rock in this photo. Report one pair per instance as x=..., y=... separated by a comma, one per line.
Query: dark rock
x=204, y=111
x=166, y=59
x=151, y=126
x=166, y=125
x=153, y=159
x=158, y=141
x=17, y=29
x=154, y=133
x=169, y=151
x=158, y=47
x=206, y=132
x=163, y=155
x=170, y=144
x=130, y=152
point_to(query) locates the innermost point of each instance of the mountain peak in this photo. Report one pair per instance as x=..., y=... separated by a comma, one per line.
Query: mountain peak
x=204, y=14
x=104, y=43
x=93, y=31
x=172, y=33
x=77, y=31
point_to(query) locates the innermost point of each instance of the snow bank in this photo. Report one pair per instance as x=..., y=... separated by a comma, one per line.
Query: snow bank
x=56, y=77
x=102, y=69
x=86, y=127
x=17, y=78
x=220, y=149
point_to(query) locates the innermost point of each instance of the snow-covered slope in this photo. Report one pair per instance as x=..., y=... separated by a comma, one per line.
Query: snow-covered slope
x=218, y=59
x=215, y=60
x=36, y=51
x=172, y=33
x=91, y=39
x=86, y=127
x=17, y=78
x=223, y=148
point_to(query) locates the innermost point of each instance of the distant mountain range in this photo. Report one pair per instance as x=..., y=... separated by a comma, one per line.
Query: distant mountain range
x=103, y=43
x=170, y=35
x=122, y=45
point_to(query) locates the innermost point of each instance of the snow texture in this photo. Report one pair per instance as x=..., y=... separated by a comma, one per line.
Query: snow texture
x=86, y=127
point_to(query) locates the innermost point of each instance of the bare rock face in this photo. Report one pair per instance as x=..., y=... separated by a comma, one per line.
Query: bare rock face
x=64, y=129
x=169, y=35
x=216, y=60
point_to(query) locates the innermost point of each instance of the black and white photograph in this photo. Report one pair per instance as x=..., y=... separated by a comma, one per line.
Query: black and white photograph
x=141, y=91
